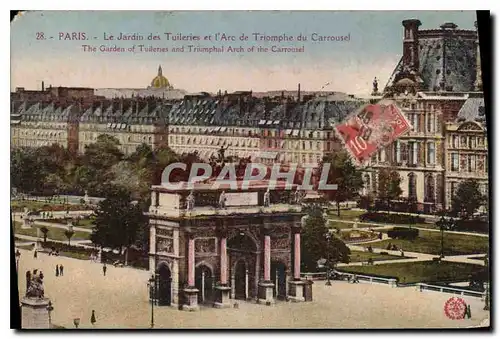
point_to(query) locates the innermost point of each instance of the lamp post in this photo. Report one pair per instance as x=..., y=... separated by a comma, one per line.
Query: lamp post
x=486, y=287
x=328, y=238
x=152, y=293
x=444, y=223
x=18, y=255
x=50, y=308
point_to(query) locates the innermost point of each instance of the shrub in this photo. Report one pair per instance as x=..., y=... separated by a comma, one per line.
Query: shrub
x=480, y=226
x=62, y=247
x=403, y=233
x=384, y=253
x=391, y=218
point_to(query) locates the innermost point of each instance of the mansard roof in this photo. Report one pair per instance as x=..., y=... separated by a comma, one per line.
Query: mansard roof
x=312, y=114
x=472, y=110
x=44, y=111
x=445, y=56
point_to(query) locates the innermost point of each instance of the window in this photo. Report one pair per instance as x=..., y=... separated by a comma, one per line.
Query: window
x=412, y=186
x=454, y=162
x=415, y=122
x=303, y=145
x=430, y=123
x=453, y=189
x=471, y=163
x=455, y=141
x=429, y=188
x=412, y=152
x=431, y=153
x=366, y=186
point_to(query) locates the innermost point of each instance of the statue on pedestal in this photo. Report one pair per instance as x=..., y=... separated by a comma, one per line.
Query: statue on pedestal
x=222, y=200
x=35, y=286
x=222, y=152
x=375, y=86
x=267, y=198
x=190, y=201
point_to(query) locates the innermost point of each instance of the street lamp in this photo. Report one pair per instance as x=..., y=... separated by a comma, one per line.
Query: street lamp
x=444, y=223
x=486, y=287
x=50, y=308
x=18, y=255
x=328, y=238
x=152, y=293
x=76, y=321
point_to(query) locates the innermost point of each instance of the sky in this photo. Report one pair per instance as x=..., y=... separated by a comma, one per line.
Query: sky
x=373, y=49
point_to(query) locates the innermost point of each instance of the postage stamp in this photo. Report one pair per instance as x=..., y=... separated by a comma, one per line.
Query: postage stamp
x=374, y=126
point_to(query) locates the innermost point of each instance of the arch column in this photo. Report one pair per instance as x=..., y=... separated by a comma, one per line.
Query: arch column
x=222, y=289
x=266, y=286
x=296, y=286
x=190, y=292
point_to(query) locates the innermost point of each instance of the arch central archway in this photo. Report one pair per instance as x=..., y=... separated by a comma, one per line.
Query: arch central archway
x=278, y=277
x=164, y=285
x=243, y=254
x=204, y=283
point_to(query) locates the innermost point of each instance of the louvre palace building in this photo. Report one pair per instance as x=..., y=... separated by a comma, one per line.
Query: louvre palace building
x=437, y=84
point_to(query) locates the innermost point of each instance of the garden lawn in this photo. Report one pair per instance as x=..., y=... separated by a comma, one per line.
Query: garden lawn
x=86, y=223
x=344, y=214
x=423, y=271
x=54, y=233
x=430, y=242
x=358, y=256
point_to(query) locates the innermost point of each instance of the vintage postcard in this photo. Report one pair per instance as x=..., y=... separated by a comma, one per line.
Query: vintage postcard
x=250, y=169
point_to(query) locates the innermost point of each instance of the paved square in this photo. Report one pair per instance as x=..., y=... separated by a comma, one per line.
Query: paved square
x=120, y=301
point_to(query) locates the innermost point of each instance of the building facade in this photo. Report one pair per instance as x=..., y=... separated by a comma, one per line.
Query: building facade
x=434, y=91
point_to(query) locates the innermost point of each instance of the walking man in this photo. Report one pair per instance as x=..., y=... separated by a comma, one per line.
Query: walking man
x=35, y=254
x=57, y=270
x=92, y=318
x=104, y=268
x=61, y=270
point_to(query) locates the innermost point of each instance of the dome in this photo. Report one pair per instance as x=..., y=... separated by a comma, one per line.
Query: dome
x=160, y=81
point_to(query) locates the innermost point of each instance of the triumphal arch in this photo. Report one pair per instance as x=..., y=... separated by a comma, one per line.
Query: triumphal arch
x=211, y=245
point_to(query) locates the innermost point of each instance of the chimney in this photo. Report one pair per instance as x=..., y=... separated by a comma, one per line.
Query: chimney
x=478, y=84
x=298, y=94
x=410, y=44
x=43, y=86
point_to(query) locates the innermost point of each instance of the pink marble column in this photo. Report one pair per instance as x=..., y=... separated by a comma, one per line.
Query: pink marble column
x=191, y=261
x=223, y=260
x=296, y=262
x=267, y=257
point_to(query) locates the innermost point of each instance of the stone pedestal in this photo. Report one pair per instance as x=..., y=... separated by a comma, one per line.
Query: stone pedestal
x=190, y=299
x=296, y=290
x=222, y=297
x=265, y=293
x=34, y=313
x=26, y=223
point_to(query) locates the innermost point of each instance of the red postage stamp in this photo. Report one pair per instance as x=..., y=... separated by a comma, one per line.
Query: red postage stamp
x=373, y=127
x=455, y=308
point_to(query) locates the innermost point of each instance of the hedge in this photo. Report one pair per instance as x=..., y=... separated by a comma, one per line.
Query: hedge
x=391, y=218
x=403, y=233
x=480, y=226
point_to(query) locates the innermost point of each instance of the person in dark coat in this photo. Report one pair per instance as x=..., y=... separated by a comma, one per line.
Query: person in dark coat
x=57, y=270
x=35, y=254
x=41, y=275
x=61, y=270
x=104, y=268
x=28, y=279
x=92, y=318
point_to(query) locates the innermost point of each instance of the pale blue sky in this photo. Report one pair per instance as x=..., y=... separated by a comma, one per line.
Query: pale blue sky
x=374, y=48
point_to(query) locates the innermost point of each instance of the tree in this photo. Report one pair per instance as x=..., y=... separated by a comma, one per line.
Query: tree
x=343, y=173
x=69, y=234
x=44, y=230
x=26, y=173
x=314, y=243
x=118, y=222
x=389, y=186
x=467, y=199
x=102, y=154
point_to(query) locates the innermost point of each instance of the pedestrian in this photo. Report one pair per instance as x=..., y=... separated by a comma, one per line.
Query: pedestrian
x=469, y=315
x=35, y=254
x=61, y=270
x=92, y=318
x=104, y=268
x=41, y=275
x=57, y=270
